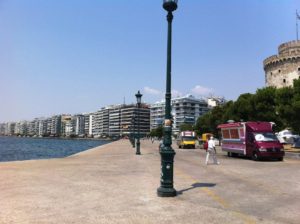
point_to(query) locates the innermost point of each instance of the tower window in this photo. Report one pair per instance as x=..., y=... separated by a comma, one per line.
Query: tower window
x=279, y=70
x=299, y=69
x=271, y=73
x=284, y=81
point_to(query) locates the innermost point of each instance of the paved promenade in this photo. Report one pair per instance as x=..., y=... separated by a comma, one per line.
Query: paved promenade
x=110, y=184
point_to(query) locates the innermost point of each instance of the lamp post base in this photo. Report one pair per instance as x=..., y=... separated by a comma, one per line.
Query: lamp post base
x=166, y=192
x=138, y=145
x=166, y=188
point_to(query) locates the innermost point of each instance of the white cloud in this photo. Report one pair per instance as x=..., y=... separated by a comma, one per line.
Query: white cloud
x=176, y=93
x=152, y=91
x=201, y=90
x=155, y=92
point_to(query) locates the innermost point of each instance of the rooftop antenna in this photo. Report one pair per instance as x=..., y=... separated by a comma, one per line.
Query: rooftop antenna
x=297, y=17
x=124, y=100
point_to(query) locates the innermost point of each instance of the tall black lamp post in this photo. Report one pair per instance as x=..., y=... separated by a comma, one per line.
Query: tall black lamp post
x=132, y=133
x=166, y=188
x=138, y=100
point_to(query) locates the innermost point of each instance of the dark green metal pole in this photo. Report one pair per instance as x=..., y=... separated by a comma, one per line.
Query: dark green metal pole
x=134, y=135
x=166, y=188
x=138, y=144
x=139, y=100
x=131, y=135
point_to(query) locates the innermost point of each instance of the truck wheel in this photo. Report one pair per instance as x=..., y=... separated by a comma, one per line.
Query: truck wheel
x=229, y=154
x=280, y=159
x=233, y=154
x=255, y=156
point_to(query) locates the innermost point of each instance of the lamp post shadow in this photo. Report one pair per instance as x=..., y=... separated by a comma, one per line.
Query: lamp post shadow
x=196, y=185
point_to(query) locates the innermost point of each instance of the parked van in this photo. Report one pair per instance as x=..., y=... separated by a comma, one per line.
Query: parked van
x=287, y=137
x=251, y=139
x=186, y=139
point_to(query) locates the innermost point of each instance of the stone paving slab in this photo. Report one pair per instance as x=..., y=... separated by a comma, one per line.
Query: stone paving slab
x=110, y=184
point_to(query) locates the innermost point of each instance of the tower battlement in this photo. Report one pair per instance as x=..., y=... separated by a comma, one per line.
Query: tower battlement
x=282, y=69
x=289, y=48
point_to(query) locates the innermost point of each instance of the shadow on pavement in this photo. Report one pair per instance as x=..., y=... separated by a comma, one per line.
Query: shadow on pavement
x=196, y=185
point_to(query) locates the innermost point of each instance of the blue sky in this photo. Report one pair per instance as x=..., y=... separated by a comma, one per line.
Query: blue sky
x=72, y=56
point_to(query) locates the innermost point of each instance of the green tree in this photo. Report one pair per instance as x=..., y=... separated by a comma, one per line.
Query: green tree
x=244, y=108
x=157, y=132
x=229, y=112
x=208, y=122
x=152, y=133
x=265, y=106
x=295, y=123
x=281, y=106
x=284, y=106
x=186, y=127
x=203, y=124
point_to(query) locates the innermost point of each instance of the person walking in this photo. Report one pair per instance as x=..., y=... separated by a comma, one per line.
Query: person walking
x=211, y=151
x=152, y=139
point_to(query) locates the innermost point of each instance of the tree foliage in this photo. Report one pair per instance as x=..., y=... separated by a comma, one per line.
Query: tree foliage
x=281, y=106
x=186, y=127
x=295, y=123
x=157, y=132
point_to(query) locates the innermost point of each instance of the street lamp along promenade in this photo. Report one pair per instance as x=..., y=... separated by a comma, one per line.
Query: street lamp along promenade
x=139, y=101
x=132, y=131
x=166, y=188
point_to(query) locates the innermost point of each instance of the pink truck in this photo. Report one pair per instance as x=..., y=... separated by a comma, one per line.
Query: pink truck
x=252, y=139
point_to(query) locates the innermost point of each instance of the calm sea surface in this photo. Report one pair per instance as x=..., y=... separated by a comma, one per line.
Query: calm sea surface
x=15, y=148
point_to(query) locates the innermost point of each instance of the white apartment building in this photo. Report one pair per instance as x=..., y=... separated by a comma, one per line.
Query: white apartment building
x=43, y=122
x=88, y=124
x=17, y=128
x=101, y=122
x=79, y=125
x=55, y=125
x=48, y=126
x=2, y=129
x=133, y=118
x=120, y=120
x=114, y=125
x=215, y=101
x=112, y=121
x=32, y=127
x=157, y=114
x=185, y=110
x=66, y=125
x=9, y=128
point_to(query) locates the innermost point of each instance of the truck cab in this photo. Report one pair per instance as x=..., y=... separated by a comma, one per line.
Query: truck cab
x=264, y=145
x=186, y=139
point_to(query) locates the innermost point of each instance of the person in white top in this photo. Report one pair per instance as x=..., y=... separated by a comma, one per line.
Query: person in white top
x=211, y=151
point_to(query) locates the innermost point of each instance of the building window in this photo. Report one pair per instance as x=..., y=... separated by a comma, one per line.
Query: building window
x=279, y=70
x=271, y=73
x=284, y=81
x=299, y=69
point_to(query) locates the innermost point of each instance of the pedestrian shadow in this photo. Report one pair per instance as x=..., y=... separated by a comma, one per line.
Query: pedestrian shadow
x=196, y=185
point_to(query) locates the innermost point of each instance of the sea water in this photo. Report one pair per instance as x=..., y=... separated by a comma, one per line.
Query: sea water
x=25, y=148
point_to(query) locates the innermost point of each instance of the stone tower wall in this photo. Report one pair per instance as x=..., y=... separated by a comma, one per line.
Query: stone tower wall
x=282, y=69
